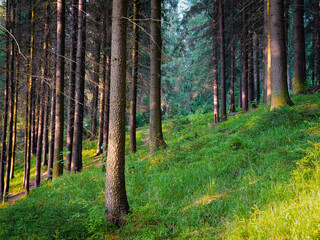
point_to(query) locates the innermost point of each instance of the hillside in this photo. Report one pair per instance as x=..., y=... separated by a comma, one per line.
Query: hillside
x=253, y=176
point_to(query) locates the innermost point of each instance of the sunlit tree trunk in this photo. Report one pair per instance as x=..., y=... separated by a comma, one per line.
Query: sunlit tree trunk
x=299, y=71
x=244, y=60
x=116, y=197
x=267, y=54
x=215, y=65
x=280, y=94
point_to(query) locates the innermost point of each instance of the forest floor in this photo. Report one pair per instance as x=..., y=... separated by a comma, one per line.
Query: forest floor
x=256, y=176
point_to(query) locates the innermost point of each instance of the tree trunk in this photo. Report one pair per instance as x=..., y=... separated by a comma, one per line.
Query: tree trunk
x=317, y=40
x=58, y=143
x=156, y=137
x=11, y=101
x=102, y=87
x=96, y=79
x=222, y=63
x=72, y=75
x=232, y=61
x=133, y=103
x=215, y=65
x=267, y=54
x=258, y=69
x=299, y=72
x=116, y=197
x=280, y=94
x=76, y=163
x=244, y=60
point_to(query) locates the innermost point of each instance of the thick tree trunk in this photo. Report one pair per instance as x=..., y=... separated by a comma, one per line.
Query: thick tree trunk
x=280, y=94
x=76, y=163
x=116, y=197
x=222, y=63
x=156, y=137
x=58, y=143
x=244, y=60
x=71, y=89
x=299, y=71
x=134, y=79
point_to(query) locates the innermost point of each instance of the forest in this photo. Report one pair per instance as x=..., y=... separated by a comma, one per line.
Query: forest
x=160, y=119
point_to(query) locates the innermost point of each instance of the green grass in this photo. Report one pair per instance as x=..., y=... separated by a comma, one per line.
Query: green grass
x=256, y=176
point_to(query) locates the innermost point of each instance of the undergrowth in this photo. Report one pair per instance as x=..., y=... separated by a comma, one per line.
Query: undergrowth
x=254, y=176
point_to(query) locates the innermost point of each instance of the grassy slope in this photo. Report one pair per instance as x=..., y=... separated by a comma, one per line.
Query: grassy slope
x=254, y=176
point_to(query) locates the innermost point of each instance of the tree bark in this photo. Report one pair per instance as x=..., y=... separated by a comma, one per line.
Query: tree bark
x=232, y=61
x=317, y=40
x=280, y=94
x=76, y=163
x=116, y=197
x=133, y=102
x=156, y=137
x=215, y=65
x=267, y=54
x=58, y=143
x=299, y=71
x=71, y=89
x=222, y=63
x=244, y=60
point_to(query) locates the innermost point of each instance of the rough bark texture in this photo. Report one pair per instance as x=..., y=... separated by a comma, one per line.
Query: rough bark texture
x=215, y=66
x=244, y=60
x=58, y=143
x=71, y=89
x=134, y=79
x=156, y=137
x=299, y=71
x=257, y=65
x=280, y=95
x=116, y=198
x=52, y=126
x=76, y=163
x=267, y=54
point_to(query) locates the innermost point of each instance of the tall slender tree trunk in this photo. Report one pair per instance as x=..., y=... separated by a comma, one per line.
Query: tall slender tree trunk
x=29, y=107
x=232, y=61
x=43, y=98
x=280, y=94
x=133, y=102
x=156, y=137
x=267, y=54
x=317, y=40
x=244, y=60
x=76, y=163
x=215, y=64
x=116, y=197
x=58, y=143
x=97, y=49
x=107, y=86
x=258, y=69
x=11, y=101
x=17, y=69
x=299, y=71
x=71, y=89
x=222, y=63
x=102, y=87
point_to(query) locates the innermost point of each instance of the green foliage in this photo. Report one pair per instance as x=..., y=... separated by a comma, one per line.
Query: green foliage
x=254, y=176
